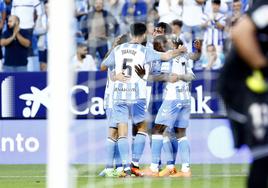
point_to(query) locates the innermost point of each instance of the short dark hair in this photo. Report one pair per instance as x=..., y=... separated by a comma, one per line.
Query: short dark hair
x=177, y=22
x=166, y=27
x=138, y=29
x=81, y=45
x=217, y=2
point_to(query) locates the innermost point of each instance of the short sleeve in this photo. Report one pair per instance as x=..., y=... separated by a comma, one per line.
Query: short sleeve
x=152, y=55
x=109, y=61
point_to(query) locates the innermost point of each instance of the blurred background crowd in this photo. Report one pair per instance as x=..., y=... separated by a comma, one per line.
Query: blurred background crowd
x=24, y=29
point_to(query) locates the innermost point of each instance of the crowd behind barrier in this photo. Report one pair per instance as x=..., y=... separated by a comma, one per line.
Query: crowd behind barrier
x=98, y=22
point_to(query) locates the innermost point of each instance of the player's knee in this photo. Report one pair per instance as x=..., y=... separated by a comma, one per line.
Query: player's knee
x=142, y=127
x=181, y=132
x=113, y=133
x=159, y=129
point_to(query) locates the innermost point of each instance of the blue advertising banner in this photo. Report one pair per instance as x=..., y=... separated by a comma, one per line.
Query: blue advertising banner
x=25, y=96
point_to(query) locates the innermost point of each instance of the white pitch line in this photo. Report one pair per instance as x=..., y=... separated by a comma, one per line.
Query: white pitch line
x=140, y=178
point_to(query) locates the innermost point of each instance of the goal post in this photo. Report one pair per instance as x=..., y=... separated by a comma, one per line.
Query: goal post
x=60, y=79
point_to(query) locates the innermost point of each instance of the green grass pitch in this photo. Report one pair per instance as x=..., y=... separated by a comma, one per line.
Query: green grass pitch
x=204, y=176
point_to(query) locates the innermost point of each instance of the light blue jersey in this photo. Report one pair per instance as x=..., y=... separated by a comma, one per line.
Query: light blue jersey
x=176, y=107
x=124, y=58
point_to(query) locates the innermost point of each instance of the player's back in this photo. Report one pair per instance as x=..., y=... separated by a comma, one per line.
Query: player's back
x=127, y=56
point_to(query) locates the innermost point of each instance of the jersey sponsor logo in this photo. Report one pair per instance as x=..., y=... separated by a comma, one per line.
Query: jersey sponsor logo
x=125, y=89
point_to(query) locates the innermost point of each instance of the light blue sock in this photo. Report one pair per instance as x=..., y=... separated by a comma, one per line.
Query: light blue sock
x=184, y=151
x=123, y=150
x=138, y=146
x=167, y=148
x=132, y=145
x=174, y=143
x=110, y=152
x=157, y=143
x=117, y=158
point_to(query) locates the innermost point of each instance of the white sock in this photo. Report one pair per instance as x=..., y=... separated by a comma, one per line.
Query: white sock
x=185, y=167
x=154, y=167
x=170, y=166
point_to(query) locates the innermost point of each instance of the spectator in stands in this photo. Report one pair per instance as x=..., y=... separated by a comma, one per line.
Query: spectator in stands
x=82, y=60
x=41, y=29
x=81, y=8
x=8, y=7
x=192, y=19
x=2, y=22
x=97, y=27
x=26, y=10
x=237, y=12
x=16, y=42
x=153, y=16
x=223, y=7
x=214, y=23
x=212, y=59
x=169, y=10
x=134, y=11
x=176, y=26
x=115, y=8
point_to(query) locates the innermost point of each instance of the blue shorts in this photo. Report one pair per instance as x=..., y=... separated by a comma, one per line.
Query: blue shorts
x=122, y=111
x=174, y=113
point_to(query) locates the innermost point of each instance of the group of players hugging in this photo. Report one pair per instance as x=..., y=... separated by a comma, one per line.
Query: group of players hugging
x=132, y=65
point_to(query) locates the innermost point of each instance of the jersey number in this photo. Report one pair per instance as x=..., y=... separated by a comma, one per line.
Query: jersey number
x=127, y=69
x=259, y=115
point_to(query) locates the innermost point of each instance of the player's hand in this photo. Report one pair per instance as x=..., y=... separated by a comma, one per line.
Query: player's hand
x=140, y=70
x=198, y=45
x=182, y=49
x=121, y=77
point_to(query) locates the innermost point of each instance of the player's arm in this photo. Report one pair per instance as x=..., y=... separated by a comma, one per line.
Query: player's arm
x=166, y=56
x=108, y=62
x=141, y=72
x=188, y=77
x=244, y=38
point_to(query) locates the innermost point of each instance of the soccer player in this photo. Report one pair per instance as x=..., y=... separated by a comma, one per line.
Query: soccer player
x=243, y=86
x=112, y=146
x=173, y=113
x=129, y=95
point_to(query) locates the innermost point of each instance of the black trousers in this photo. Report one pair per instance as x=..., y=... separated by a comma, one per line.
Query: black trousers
x=258, y=175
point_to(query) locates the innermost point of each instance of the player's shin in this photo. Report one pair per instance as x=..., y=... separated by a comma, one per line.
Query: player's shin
x=157, y=143
x=138, y=147
x=110, y=152
x=184, y=152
